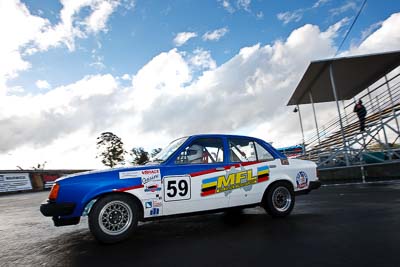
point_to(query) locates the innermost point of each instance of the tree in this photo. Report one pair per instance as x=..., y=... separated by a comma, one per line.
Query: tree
x=110, y=149
x=140, y=156
x=155, y=151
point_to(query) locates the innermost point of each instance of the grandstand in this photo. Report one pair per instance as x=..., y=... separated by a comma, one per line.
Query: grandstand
x=375, y=79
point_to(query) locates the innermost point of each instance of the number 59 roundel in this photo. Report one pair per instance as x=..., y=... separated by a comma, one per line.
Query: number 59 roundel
x=176, y=188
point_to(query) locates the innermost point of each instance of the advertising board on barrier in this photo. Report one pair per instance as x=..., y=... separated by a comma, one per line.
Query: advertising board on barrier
x=48, y=179
x=10, y=182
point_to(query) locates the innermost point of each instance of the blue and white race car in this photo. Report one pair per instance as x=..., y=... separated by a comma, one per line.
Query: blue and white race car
x=200, y=173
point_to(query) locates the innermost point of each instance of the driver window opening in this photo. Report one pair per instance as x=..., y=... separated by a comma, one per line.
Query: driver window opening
x=202, y=151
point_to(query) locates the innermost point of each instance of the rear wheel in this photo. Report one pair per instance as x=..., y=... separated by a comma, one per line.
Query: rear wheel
x=113, y=218
x=279, y=199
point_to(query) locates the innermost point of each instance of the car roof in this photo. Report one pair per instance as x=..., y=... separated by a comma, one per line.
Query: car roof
x=223, y=135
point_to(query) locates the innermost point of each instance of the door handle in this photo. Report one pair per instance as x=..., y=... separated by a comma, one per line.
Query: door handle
x=272, y=166
x=220, y=169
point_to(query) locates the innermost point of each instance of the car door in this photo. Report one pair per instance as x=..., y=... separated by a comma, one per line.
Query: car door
x=189, y=183
x=252, y=173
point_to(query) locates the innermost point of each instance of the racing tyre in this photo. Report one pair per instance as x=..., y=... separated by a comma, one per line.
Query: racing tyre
x=279, y=200
x=113, y=218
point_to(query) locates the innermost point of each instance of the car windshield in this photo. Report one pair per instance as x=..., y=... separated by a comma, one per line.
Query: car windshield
x=169, y=150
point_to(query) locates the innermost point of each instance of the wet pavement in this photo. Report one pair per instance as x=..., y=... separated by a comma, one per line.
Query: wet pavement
x=337, y=225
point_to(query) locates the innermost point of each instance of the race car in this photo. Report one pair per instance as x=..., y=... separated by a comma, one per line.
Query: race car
x=192, y=175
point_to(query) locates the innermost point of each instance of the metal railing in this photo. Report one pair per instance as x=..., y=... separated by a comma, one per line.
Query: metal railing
x=383, y=106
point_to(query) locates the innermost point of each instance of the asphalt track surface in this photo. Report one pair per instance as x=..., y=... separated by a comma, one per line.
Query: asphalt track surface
x=337, y=225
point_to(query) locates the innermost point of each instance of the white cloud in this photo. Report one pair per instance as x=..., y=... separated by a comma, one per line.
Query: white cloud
x=240, y=5
x=246, y=94
x=182, y=37
x=260, y=15
x=215, y=35
x=320, y=3
x=167, y=72
x=24, y=29
x=297, y=15
x=40, y=119
x=30, y=34
x=291, y=16
x=385, y=38
x=101, y=12
x=42, y=84
x=126, y=77
x=73, y=26
x=351, y=5
x=227, y=5
x=244, y=4
x=202, y=59
x=367, y=32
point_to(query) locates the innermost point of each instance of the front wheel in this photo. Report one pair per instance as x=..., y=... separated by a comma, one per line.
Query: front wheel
x=279, y=200
x=113, y=218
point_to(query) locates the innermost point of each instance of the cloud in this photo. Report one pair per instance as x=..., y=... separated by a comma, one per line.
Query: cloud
x=202, y=59
x=38, y=120
x=244, y=4
x=320, y=3
x=182, y=37
x=351, y=5
x=240, y=5
x=101, y=12
x=31, y=33
x=246, y=94
x=373, y=27
x=227, y=5
x=290, y=16
x=243, y=92
x=126, y=77
x=25, y=28
x=385, y=38
x=42, y=84
x=215, y=35
x=73, y=26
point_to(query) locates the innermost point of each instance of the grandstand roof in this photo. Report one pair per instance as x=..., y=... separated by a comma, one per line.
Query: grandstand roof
x=352, y=75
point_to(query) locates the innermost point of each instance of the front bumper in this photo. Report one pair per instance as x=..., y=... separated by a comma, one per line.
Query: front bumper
x=51, y=208
x=56, y=210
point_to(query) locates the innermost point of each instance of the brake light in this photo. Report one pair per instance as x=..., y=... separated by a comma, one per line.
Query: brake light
x=54, y=192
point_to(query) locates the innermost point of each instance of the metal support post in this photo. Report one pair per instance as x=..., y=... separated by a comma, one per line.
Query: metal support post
x=370, y=100
x=302, y=131
x=384, y=130
x=315, y=117
x=345, y=114
x=392, y=103
x=340, y=117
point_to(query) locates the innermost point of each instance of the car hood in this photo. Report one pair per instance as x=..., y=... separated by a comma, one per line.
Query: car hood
x=103, y=174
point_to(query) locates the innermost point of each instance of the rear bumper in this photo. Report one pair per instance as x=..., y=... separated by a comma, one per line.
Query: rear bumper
x=56, y=210
x=312, y=186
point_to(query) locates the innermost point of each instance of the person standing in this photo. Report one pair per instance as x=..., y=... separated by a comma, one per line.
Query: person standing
x=361, y=113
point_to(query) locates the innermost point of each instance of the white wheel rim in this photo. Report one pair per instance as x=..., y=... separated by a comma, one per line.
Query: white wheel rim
x=115, y=217
x=281, y=199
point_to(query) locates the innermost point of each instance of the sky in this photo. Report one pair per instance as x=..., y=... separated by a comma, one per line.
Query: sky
x=153, y=71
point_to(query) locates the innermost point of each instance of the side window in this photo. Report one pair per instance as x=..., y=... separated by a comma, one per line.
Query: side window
x=242, y=150
x=262, y=153
x=202, y=151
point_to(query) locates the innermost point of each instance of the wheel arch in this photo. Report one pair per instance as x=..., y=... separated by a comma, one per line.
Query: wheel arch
x=281, y=180
x=89, y=204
